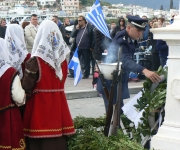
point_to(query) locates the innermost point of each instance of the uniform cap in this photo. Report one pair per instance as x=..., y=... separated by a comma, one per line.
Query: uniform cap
x=137, y=22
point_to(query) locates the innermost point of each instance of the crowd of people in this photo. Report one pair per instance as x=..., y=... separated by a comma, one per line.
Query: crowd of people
x=33, y=69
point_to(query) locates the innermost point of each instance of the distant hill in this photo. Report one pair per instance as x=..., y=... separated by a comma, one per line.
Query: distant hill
x=155, y=4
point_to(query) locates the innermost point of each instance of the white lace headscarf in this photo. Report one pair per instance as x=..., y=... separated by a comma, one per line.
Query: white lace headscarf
x=4, y=59
x=50, y=46
x=16, y=45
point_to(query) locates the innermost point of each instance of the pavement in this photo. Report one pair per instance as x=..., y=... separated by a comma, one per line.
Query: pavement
x=83, y=100
x=84, y=89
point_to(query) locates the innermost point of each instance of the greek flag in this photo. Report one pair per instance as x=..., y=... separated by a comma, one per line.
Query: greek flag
x=75, y=65
x=96, y=17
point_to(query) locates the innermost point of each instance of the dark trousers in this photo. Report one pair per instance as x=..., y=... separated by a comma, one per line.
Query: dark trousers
x=57, y=143
x=93, y=65
x=85, y=53
x=70, y=70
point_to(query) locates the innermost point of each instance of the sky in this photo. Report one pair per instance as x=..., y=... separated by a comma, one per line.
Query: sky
x=155, y=4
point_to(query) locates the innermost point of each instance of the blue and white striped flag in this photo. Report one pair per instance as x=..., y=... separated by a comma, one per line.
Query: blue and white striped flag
x=96, y=17
x=75, y=65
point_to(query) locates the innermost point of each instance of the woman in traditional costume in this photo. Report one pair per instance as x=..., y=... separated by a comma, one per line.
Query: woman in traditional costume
x=12, y=95
x=47, y=119
x=18, y=53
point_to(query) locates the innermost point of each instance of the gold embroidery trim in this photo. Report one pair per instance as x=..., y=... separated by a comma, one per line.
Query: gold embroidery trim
x=49, y=130
x=11, y=105
x=5, y=147
x=46, y=90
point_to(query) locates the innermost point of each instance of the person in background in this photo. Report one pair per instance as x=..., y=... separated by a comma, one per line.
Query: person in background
x=30, y=32
x=161, y=45
x=144, y=38
x=67, y=33
x=161, y=22
x=3, y=22
x=72, y=40
x=150, y=24
x=2, y=28
x=14, y=21
x=2, y=32
x=163, y=49
x=60, y=25
x=47, y=110
x=101, y=44
x=155, y=19
x=121, y=26
x=112, y=26
x=12, y=95
x=172, y=19
x=24, y=24
x=84, y=36
x=154, y=51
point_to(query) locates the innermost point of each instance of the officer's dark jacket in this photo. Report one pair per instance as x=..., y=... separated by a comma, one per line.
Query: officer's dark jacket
x=91, y=34
x=128, y=64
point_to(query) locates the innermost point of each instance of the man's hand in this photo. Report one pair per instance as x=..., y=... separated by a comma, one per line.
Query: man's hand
x=105, y=51
x=77, y=26
x=152, y=75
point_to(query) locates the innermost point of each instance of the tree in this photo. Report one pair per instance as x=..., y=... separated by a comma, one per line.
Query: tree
x=161, y=7
x=171, y=4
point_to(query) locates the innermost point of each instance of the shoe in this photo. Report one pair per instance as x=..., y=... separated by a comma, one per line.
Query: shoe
x=85, y=77
x=70, y=76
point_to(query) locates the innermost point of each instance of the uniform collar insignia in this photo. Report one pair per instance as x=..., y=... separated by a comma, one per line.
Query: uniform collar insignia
x=124, y=38
x=129, y=40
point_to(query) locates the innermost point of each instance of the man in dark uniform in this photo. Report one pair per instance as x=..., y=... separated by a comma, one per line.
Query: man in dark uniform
x=127, y=39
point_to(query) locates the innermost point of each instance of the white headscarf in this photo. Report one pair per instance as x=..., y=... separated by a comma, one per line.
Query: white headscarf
x=16, y=45
x=50, y=46
x=4, y=59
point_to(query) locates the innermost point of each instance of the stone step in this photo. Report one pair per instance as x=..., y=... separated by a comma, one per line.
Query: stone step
x=78, y=94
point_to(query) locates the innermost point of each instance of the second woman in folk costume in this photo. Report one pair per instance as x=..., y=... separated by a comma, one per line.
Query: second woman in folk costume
x=17, y=48
x=47, y=119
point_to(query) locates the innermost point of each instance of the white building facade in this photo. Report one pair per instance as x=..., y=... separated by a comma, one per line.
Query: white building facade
x=70, y=7
x=46, y=2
